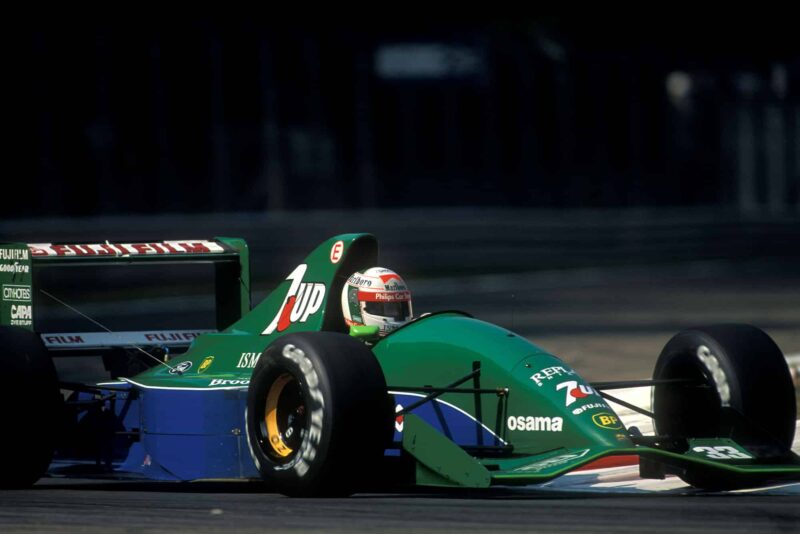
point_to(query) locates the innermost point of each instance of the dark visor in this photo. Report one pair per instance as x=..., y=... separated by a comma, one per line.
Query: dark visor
x=395, y=310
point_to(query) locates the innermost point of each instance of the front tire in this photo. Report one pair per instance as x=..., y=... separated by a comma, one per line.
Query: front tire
x=318, y=419
x=742, y=390
x=741, y=367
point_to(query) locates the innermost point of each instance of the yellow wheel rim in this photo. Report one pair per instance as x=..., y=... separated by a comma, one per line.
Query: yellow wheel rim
x=271, y=416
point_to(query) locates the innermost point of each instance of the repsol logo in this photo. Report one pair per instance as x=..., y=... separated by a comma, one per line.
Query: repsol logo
x=16, y=293
x=248, y=360
x=535, y=424
x=549, y=372
x=316, y=405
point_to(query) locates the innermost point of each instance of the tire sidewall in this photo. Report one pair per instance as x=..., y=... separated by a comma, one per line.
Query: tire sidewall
x=745, y=368
x=35, y=407
x=290, y=355
x=717, y=368
x=349, y=419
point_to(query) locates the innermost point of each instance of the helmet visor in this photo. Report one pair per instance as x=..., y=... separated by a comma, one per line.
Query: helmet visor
x=395, y=310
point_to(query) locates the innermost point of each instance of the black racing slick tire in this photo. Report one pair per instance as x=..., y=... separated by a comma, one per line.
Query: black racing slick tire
x=32, y=408
x=740, y=388
x=318, y=416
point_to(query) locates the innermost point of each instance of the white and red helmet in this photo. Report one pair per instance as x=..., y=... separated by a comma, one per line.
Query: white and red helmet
x=376, y=297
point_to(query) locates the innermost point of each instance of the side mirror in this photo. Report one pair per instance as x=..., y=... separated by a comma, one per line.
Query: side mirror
x=365, y=333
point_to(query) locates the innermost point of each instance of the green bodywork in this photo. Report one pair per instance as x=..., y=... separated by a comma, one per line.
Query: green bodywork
x=16, y=282
x=236, y=349
x=437, y=350
x=551, y=419
x=444, y=346
x=441, y=348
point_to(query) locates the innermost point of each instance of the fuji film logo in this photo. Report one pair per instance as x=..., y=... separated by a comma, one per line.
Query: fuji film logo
x=302, y=300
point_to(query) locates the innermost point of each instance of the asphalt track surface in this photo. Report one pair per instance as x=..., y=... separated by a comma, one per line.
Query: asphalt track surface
x=88, y=506
x=607, y=323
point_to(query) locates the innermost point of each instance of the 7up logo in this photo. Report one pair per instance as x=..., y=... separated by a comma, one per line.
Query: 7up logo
x=575, y=391
x=302, y=300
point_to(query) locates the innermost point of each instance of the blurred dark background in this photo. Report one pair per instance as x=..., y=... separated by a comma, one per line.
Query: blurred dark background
x=595, y=183
x=250, y=115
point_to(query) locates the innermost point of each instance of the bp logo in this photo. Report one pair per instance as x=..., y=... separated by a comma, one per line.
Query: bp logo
x=607, y=420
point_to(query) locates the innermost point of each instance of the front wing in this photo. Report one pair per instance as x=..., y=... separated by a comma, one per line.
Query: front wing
x=440, y=462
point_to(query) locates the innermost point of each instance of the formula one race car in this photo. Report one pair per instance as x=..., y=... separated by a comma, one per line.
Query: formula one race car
x=283, y=393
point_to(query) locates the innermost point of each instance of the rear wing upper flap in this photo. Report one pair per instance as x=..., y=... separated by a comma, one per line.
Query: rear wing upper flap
x=192, y=250
x=230, y=256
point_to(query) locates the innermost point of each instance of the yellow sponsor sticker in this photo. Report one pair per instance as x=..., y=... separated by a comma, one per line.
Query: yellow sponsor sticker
x=205, y=364
x=607, y=420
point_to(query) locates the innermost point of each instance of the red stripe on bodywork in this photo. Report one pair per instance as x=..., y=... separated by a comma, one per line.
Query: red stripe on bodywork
x=284, y=321
x=610, y=461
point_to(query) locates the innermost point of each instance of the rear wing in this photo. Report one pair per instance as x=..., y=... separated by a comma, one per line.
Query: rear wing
x=19, y=263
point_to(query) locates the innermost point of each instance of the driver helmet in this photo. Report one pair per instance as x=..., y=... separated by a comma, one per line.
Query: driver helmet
x=376, y=297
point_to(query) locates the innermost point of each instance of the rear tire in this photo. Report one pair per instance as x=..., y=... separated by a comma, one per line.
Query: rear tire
x=318, y=419
x=32, y=407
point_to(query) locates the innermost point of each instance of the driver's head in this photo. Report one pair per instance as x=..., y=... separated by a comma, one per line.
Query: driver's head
x=376, y=297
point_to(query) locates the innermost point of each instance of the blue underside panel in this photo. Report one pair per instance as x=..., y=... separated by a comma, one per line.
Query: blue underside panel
x=455, y=424
x=196, y=434
x=175, y=411
x=160, y=434
x=180, y=434
x=194, y=457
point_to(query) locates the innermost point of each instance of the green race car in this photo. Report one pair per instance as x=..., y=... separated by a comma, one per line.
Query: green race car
x=286, y=392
